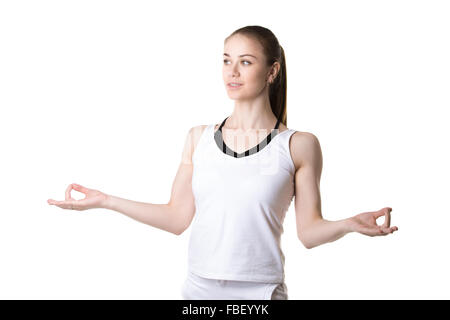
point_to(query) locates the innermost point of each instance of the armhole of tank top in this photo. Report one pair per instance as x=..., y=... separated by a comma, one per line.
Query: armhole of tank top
x=288, y=149
x=199, y=141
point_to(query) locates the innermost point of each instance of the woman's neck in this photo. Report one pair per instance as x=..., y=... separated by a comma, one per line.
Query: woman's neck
x=250, y=118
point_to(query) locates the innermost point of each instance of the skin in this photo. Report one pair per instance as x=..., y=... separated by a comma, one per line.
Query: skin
x=252, y=119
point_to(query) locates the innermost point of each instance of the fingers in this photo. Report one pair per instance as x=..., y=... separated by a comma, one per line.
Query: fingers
x=68, y=189
x=386, y=212
x=387, y=217
x=67, y=204
x=79, y=188
x=374, y=231
x=387, y=230
x=377, y=231
x=381, y=212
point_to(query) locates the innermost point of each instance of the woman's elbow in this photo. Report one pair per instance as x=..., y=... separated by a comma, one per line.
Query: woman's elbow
x=305, y=243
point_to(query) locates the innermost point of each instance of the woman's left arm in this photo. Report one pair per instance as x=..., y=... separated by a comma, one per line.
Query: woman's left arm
x=312, y=229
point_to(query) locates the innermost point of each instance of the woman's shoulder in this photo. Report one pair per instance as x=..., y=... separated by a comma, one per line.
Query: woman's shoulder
x=304, y=146
x=197, y=131
x=191, y=140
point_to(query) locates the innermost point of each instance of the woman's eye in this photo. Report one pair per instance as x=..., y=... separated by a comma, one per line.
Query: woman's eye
x=225, y=61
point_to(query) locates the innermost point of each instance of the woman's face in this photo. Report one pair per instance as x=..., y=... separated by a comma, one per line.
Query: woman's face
x=244, y=63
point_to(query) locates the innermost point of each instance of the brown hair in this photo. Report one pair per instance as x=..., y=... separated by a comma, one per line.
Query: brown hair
x=273, y=52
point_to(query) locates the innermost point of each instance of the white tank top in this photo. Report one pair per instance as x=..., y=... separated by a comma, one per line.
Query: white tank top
x=240, y=206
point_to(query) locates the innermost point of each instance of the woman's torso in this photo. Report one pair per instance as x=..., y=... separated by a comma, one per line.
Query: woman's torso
x=240, y=206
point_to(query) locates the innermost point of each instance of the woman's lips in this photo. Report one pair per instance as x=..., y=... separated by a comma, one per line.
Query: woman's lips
x=234, y=87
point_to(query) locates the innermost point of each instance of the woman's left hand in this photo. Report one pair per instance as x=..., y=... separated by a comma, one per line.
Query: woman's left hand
x=366, y=223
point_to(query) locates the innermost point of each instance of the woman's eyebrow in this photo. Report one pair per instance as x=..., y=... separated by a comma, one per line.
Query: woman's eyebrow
x=242, y=55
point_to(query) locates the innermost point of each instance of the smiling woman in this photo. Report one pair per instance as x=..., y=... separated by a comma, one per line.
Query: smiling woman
x=242, y=189
x=255, y=67
x=236, y=181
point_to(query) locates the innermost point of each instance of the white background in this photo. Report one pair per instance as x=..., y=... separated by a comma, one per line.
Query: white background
x=103, y=93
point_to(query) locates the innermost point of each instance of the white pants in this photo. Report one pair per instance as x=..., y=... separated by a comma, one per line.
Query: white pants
x=199, y=288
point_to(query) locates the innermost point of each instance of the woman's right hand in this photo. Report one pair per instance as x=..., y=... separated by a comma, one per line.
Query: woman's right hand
x=93, y=199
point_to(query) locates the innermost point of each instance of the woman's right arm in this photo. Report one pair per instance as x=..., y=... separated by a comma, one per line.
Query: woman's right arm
x=174, y=217
x=161, y=216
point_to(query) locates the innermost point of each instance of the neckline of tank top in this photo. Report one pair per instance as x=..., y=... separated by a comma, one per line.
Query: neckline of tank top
x=218, y=137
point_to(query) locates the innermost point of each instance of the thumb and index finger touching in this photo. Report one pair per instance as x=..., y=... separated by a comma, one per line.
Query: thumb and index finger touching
x=69, y=201
x=386, y=212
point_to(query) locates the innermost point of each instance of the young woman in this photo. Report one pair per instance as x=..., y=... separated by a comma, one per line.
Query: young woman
x=237, y=179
